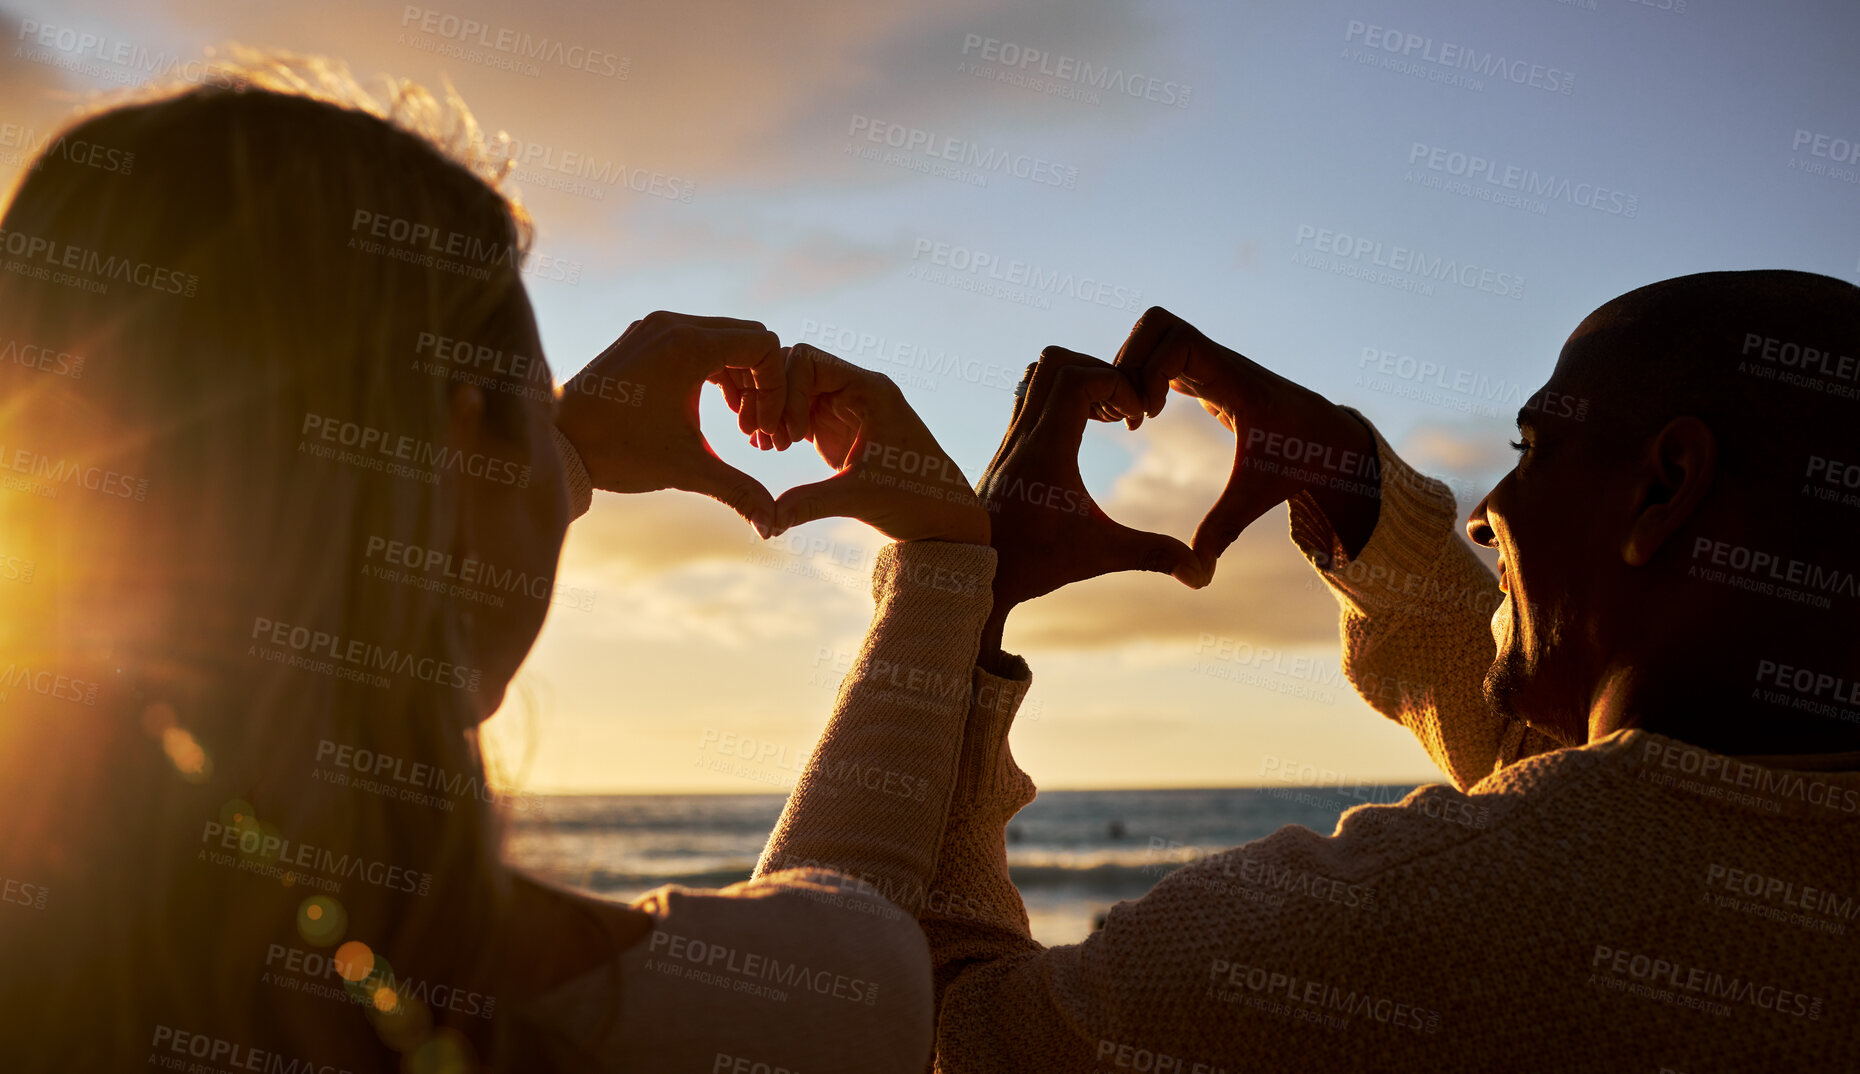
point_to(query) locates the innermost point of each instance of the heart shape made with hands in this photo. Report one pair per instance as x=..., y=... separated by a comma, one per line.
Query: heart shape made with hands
x=1280, y=429
x=889, y=471
x=632, y=414
x=1047, y=527
x=1049, y=531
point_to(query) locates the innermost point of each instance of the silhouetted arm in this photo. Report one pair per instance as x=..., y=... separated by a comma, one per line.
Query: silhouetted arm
x=824, y=933
x=1416, y=620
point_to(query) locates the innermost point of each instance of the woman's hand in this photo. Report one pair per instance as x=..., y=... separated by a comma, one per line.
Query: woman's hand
x=632, y=414
x=893, y=475
x=1288, y=439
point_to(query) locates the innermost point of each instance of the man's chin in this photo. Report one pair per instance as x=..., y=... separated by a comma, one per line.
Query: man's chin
x=1503, y=678
x=1514, y=679
x=1501, y=623
x=1507, y=681
x=1507, y=689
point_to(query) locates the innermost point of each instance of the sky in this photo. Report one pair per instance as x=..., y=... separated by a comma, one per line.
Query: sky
x=1404, y=206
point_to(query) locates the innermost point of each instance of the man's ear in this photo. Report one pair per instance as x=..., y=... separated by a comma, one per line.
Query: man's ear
x=1675, y=473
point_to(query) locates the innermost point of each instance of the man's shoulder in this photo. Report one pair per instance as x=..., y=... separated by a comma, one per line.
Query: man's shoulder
x=1425, y=826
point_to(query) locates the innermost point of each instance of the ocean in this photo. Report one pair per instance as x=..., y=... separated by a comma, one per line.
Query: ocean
x=1072, y=853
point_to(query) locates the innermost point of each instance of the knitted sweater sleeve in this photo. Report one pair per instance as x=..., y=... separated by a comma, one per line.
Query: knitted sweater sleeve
x=1416, y=607
x=872, y=802
x=1416, y=620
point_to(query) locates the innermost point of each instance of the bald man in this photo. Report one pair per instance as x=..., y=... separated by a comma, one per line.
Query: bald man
x=1649, y=854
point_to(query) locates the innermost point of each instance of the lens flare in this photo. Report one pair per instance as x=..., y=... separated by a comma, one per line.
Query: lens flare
x=355, y=960
x=321, y=920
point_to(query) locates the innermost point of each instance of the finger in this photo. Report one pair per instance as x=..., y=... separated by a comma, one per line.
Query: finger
x=753, y=357
x=736, y=324
x=817, y=377
x=746, y=416
x=1061, y=389
x=1020, y=391
x=804, y=367
x=1014, y=430
x=1150, y=340
x=1163, y=366
x=1077, y=390
x=769, y=373
x=709, y=350
x=660, y=320
x=1140, y=550
x=839, y=495
x=1220, y=415
x=732, y=391
x=830, y=430
x=1124, y=399
x=1073, y=391
x=1047, y=376
x=733, y=488
x=1239, y=504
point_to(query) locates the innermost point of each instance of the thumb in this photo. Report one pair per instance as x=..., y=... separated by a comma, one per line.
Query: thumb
x=1141, y=550
x=1241, y=501
x=733, y=488
x=839, y=495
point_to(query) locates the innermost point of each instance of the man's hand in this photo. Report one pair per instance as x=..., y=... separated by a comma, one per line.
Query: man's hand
x=633, y=412
x=893, y=475
x=1288, y=438
x=1047, y=531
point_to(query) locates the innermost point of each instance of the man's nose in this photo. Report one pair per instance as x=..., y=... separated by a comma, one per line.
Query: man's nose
x=1478, y=528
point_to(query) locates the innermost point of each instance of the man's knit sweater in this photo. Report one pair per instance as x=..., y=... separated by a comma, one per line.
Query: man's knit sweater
x=1632, y=904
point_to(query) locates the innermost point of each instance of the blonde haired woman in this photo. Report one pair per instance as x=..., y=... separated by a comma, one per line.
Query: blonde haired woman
x=235, y=376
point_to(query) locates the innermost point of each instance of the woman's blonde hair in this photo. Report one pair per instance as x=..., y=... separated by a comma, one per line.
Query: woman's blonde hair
x=185, y=572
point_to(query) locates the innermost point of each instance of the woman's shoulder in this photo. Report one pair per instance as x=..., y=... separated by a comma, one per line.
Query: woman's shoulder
x=710, y=971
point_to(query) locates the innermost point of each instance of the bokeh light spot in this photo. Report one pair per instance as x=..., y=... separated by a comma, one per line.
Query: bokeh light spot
x=445, y=1052
x=354, y=960
x=321, y=920
x=189, y=758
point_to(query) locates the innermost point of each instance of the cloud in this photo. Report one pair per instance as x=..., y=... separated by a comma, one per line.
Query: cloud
x=668, y=566
x=818, y=264
x=729, y=97
x=1472, y=448
x=731, y=605
x=37, y=99
x=785, y=261
x=627, y=537
x=725, y=93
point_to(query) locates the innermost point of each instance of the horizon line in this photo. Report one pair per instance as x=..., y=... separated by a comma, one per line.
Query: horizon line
x=1042, y=790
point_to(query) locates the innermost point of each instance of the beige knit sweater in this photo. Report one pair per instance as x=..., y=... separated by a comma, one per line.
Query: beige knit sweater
x=797, y=971
x=1633, y=904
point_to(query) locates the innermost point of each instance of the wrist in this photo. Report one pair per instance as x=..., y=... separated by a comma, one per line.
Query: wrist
x=989, y=656
x=574, y=474
x=1349, y=491
x=971, y=528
